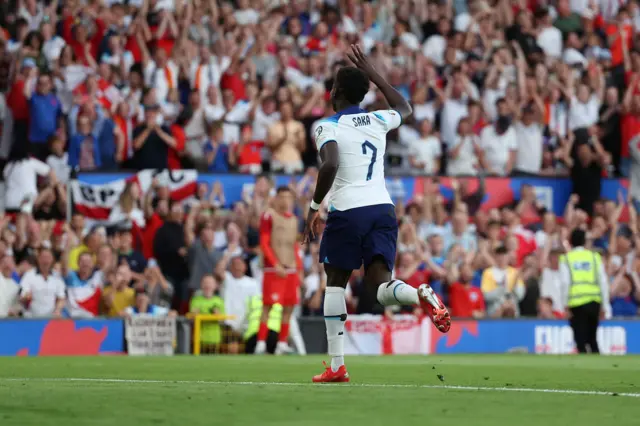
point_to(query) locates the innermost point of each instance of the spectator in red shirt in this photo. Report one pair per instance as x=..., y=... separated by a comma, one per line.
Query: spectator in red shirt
x=249, y=152
x=630, y=122
x=465, y=300
x=177, y=131
x=409, y=271
x=19, y=104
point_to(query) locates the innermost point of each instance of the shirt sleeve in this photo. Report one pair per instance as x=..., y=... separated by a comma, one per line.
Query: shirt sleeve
x=42, y=169
x=325, y=133
x=565, y=282
x=60, y=290
x=391, y=118
x=270, y=258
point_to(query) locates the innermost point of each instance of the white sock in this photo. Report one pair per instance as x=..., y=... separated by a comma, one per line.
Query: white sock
x=335, y=315
x=397, y=292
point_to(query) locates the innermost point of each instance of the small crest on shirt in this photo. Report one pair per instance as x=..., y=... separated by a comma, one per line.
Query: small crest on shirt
x=318, y=131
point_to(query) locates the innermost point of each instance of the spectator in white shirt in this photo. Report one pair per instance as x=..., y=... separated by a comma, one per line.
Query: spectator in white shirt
x=237, y=289
x=454, y=107
x=551, y=284
x=584, y=107
x=205, y=72
x=58, y=160
x=499, y=144
x=528, y=132
x=9, y=289
x=425, y=152
x=160, y=73
x=42, y=291
x=464, y=152
x=21, y=179
x=549, y=37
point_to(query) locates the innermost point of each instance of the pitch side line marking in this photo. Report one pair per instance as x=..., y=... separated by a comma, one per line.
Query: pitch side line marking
x=352, y=385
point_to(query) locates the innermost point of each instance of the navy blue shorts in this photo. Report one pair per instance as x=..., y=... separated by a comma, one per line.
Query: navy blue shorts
x=355, y=236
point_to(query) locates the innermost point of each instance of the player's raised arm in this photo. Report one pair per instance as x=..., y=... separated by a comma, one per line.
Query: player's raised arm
x=394, y=98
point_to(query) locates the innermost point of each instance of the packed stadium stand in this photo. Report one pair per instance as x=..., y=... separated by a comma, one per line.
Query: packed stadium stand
x=142, y=141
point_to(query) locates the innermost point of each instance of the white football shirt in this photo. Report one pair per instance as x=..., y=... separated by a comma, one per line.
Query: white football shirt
x=362, y=141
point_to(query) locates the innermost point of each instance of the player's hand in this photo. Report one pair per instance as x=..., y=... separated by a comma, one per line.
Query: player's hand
x=281, y=271
x=360, y=60
x=311, y=226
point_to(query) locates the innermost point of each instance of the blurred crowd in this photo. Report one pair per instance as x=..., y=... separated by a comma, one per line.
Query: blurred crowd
x=498, y=88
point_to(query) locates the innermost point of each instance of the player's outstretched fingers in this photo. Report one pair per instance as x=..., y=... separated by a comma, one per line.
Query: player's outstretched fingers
x=352, y=59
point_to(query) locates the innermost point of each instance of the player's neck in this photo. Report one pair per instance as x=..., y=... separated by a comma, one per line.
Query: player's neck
x=342, y=105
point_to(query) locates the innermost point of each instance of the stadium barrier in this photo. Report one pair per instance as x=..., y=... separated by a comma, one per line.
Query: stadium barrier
x=366, y=335
x=101, y=190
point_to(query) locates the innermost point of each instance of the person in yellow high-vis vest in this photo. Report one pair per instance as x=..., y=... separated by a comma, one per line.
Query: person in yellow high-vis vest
x=585, y=287
x=254, y=312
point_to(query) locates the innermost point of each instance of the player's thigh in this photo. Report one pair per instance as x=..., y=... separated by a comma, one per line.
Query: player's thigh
x=379, y=244
x=341, y=245
x=290, y=292
x=337, y=277
x=273, y=288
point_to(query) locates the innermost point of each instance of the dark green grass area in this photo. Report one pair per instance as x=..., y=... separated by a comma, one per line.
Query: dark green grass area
x=188, y=391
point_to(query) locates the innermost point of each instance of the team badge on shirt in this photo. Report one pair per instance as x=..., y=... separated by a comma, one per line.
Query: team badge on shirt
x=318, y=131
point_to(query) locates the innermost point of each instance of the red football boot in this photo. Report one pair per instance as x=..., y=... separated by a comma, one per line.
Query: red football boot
x=433, y=306
x=329, y=376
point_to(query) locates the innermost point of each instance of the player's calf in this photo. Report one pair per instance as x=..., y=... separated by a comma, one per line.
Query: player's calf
x=397, y=292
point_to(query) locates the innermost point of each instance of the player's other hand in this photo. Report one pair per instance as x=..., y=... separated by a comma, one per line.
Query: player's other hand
x=360, y=60
x=311, y=226
x=281, y=271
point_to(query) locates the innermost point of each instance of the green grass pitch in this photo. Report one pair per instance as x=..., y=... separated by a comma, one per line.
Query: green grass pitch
x=473, y=390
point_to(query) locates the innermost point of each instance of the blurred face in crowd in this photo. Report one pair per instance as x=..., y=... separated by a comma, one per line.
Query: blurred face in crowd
x=286, y=111
x=207, y=233
x=466, y=273
x=425, y=127
x=464, y=129
x=238, y=267
x=44, y=85
x=436, y=245
x=142, y=301
x=45, y=260
x=583, y=93
x=126, y=241
x=208, y=285
x=105, y=257
x=459, y=221
x=123, y=275
x=84, y=125
x=284, y=201
x=85, y=265
x=194, y=99
x=502, y=260
x=163, y=208
x=406, y=259
x=177, y=213
x=228, y=98
x=7, y=265
x=77, y=222
x=508, y=216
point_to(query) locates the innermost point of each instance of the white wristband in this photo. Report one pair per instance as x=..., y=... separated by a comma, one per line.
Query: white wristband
x=314, y=206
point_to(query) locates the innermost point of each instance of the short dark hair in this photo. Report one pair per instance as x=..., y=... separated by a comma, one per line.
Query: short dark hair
x=353, y=84
x=282, y=189
x=578, y=238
